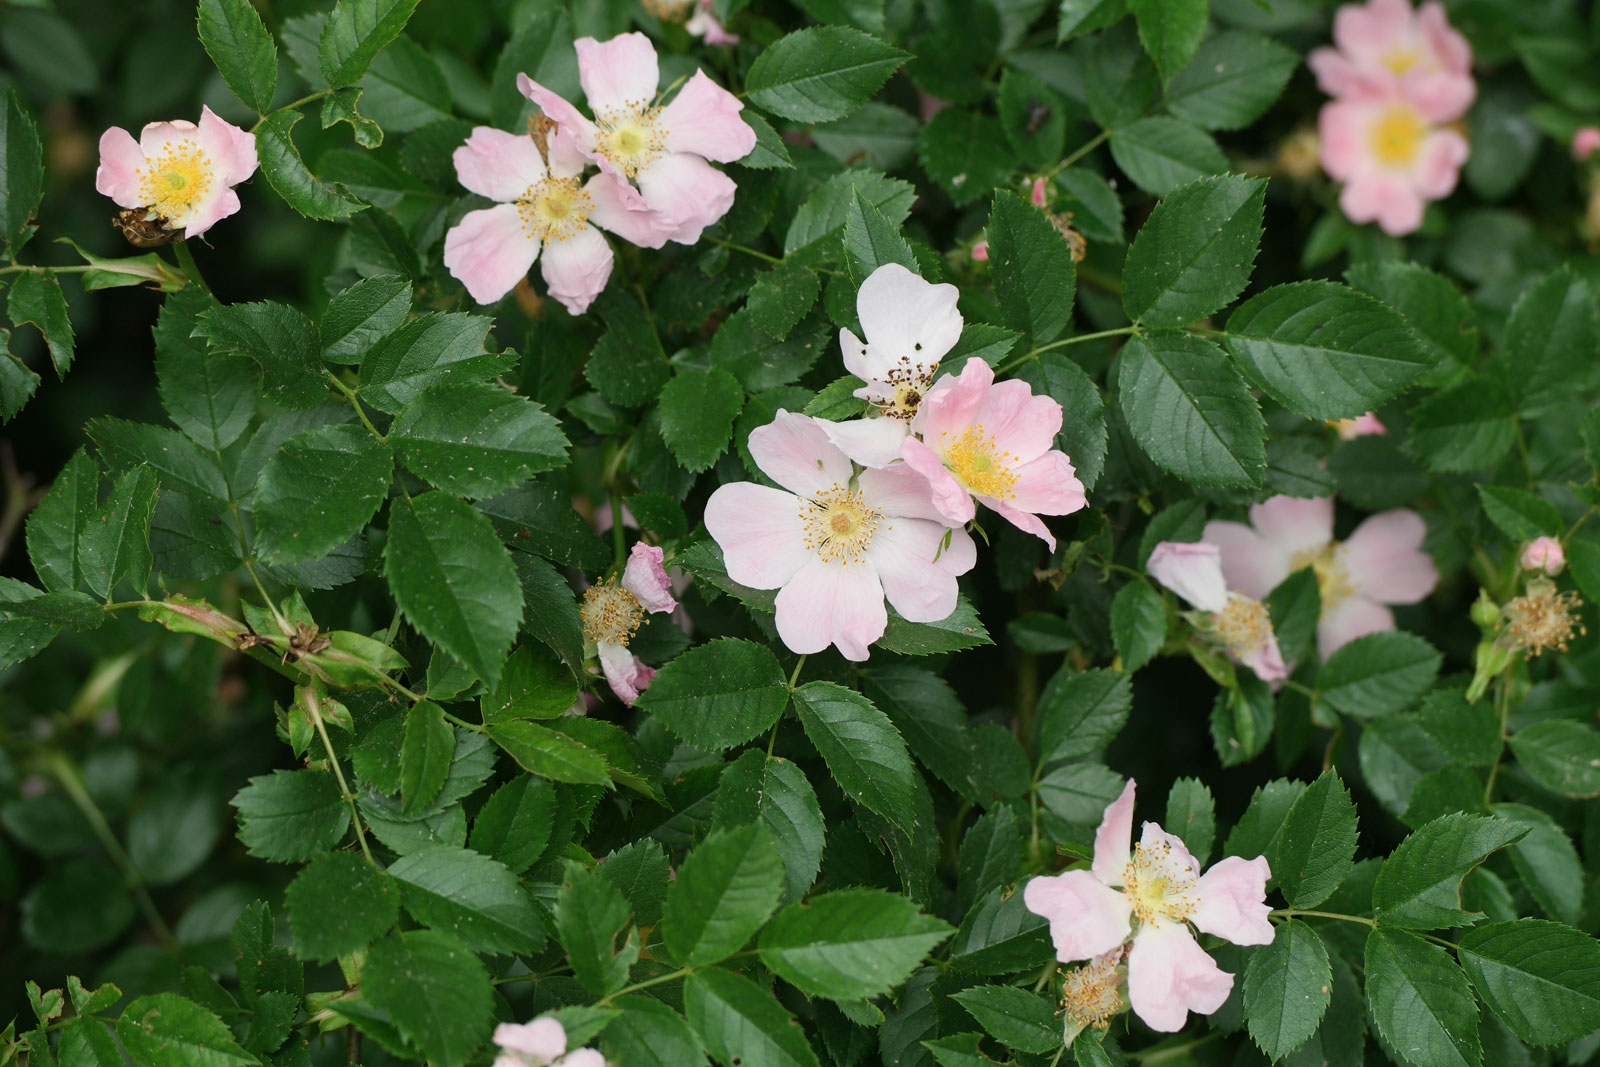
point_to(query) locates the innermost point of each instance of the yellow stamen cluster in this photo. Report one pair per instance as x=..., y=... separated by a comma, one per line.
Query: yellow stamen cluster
x=1158, y=885
x=1243, y=625
x=910, y=381
x=838, y=525
x=1090, y=995
x=554, y=209
x=610, y=613
x=1396, y=137
x=1333, y=577
x=630, y=137
x=1543, y=618
x=976, y=461
x=1400, y=60
x=1077, y=244
x=176, y=179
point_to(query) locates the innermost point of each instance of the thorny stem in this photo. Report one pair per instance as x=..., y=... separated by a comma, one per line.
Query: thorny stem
x=313, y=705
x=1291, y=913
x=1034, y=353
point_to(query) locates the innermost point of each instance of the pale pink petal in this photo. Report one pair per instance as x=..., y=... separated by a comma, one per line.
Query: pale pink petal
x=489, y=251
x=1036, y=195
x=1026, y=521
x=903, y=551
x=960, y=553
x=508, y=1059
x=704, y=119
x=910, y=323
x=1170, y=975
x=1249, y=563
x=795, y=452
x=899, y=491
x=1113, y=841
x=1336, y=75
x=951, y=404
x=621, y=72
x=1047, y=485
x=1585, y=140
x=1374, y=28
x=1387, y=199
x=839, y=604
x=689, y=193
x=1544, y=555
x=647, y=580
x=1448, y=46
x=1439, y=95
x=208, y=212
x=561, y=111
x=609, y=210
x=854, y=351
x=1385, y=560
x=576, y=269
x=544, y=1038
x=870, y=442
x=950, y=497
x=498, y=165
x=1154, y=839
x=1439, y=163
x=231, y=149
x=157, y=135
x=760, y=531
x=1086, y=917
x=980, y=251
x=1342, y=139
x=1021, y=423
x=625, y=672
x=1232, y=901
x=1361, y=426
x=1193, y=570
x=1293, y=525
x=1266, y=660
x=583, y=1057
x=1352, y=617
x=120, y=160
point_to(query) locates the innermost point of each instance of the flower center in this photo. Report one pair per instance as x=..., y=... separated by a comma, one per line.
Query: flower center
x=1243, y=625
x=610, y=613
x=1397, y=136
x=1333, y=578
x=554, y=209
x=175, y=180
x=1543, y=618
x=629, y=136
x=1158, y=885
x=1400, y=60
x=839, y=525
x=1089, y=994
x=977, y=462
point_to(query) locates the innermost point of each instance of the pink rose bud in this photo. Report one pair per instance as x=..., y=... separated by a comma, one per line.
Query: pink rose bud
x=1544, y=554
x=1038, y=195
x=1360, y=426
x=980, y=251
x=1584, y=141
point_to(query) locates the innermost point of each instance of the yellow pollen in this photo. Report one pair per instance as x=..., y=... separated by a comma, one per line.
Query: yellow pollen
x=975, y=460
x=1089, y=994
x=838, y=525
x=1333, y=578
x=1543, y=618
x=910, y=381
x=610, y=613
x=1397, y=136
x=1243, y=625
x=554, y=209
x=175, y=180
x=630, y=137
x=1158, y=885
x=1401, y=60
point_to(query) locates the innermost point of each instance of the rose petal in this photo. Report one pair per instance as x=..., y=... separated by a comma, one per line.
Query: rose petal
x=835, y=604
x=489, y=252
x=760, y=532
x=1232, y=901
x=1086, y=917
x=1170, y=975
x=576, y=270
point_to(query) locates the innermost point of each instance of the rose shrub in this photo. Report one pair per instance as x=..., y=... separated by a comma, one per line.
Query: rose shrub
x=664, y=531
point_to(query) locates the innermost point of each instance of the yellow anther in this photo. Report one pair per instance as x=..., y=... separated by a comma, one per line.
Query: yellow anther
x=838, y=525
x=610, y=613
x=977, y=462
x=176, y=179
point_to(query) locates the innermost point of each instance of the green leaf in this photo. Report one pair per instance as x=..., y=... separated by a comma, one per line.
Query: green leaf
x=471, y=897
x=864, y=752
x=1159, y=154
x=1170, y=30
x=434, y=991
x=959, y=630
x=210, y=397
x=17, y=382
x=173, y=831
x=1080, y=712
x=1541, y=978
x=166, y=1030
x=966, y=152
x=57, y=531
x=534, y=685
x=176, y=460
x=242, y=49
x=1193, y=255
x=1190, y=410
x=781, y=297
x=870, y=241
x=591, y=914
x=362, y=314
x=697, y=412
x=725, y=890
x=823, y=216
x=849, y=944
x=549, y=754
x=820, y=73
x=36, y=298
x=289, y=816
x=1083, y=433
x=1323, y=350
x=1464, y=426
x=1191, y=815
x=286, y=172
x=339, y=904
x=340, y=106
x=357, y=30
x=406, y=89
x=1561, y=755
x=1378, y=674
x=742, y=1023
x=319, y=489
x=1439, y=312
x=1551, y=340
x=879, y=133
x=1546, y=862
x=475, y=439
x=516, y=823
x=1519, y=514
x=1420, y=1001
x=454, y=580
x=1234, y=77
x=1256, y=832
x=425, y=756
x=1138, y=624
x=721, y=694
x=427, y=351
x=21, y=174
x=770, y=153
x=76, y=906
x=280, y=339
x=776, y=792
x=1015, y=1017
x=1420, y=884
x=1286, y=989
x=650, y=1034
x=1317, y=844
x=1034, y=275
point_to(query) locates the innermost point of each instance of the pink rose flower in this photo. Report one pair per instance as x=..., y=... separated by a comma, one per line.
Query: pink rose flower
x=1360, y=426
x=183, y=173
x=1382, y=563
x=1544, y=554
x=657, y=156
x=1585, y=139
x=612, y=611
x=1391, y=159
x=991, y=441
x=834, y=542
x=1384, y=49
x=1193, y=570
x=541, y=1043
x=705, y=26
x=1159, y=884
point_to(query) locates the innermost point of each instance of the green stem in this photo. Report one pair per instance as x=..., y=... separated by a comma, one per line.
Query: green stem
x=191, y=269
x=1502, y=709
x=476, y=727
x=1032, y=354
x=1088, y=146
x=619, y=548
x=314, y=707
x=1291, y=913
x=283, y=623
x=28, y=268
x=794, y=676
x=355, y=402
x=302, y=102
x=660, y=979
x=746, y=249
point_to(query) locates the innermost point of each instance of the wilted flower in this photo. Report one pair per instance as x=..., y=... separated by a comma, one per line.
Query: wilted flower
x=541, y=1043
x=1092, y=994
x=1193, y=570
x=612, y=611
x=704, y=24
x=1360, y=426
x=1542, y=618
x=181, y=174
x=1384, y=49
x=1544, y=554
x=1152, y=893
